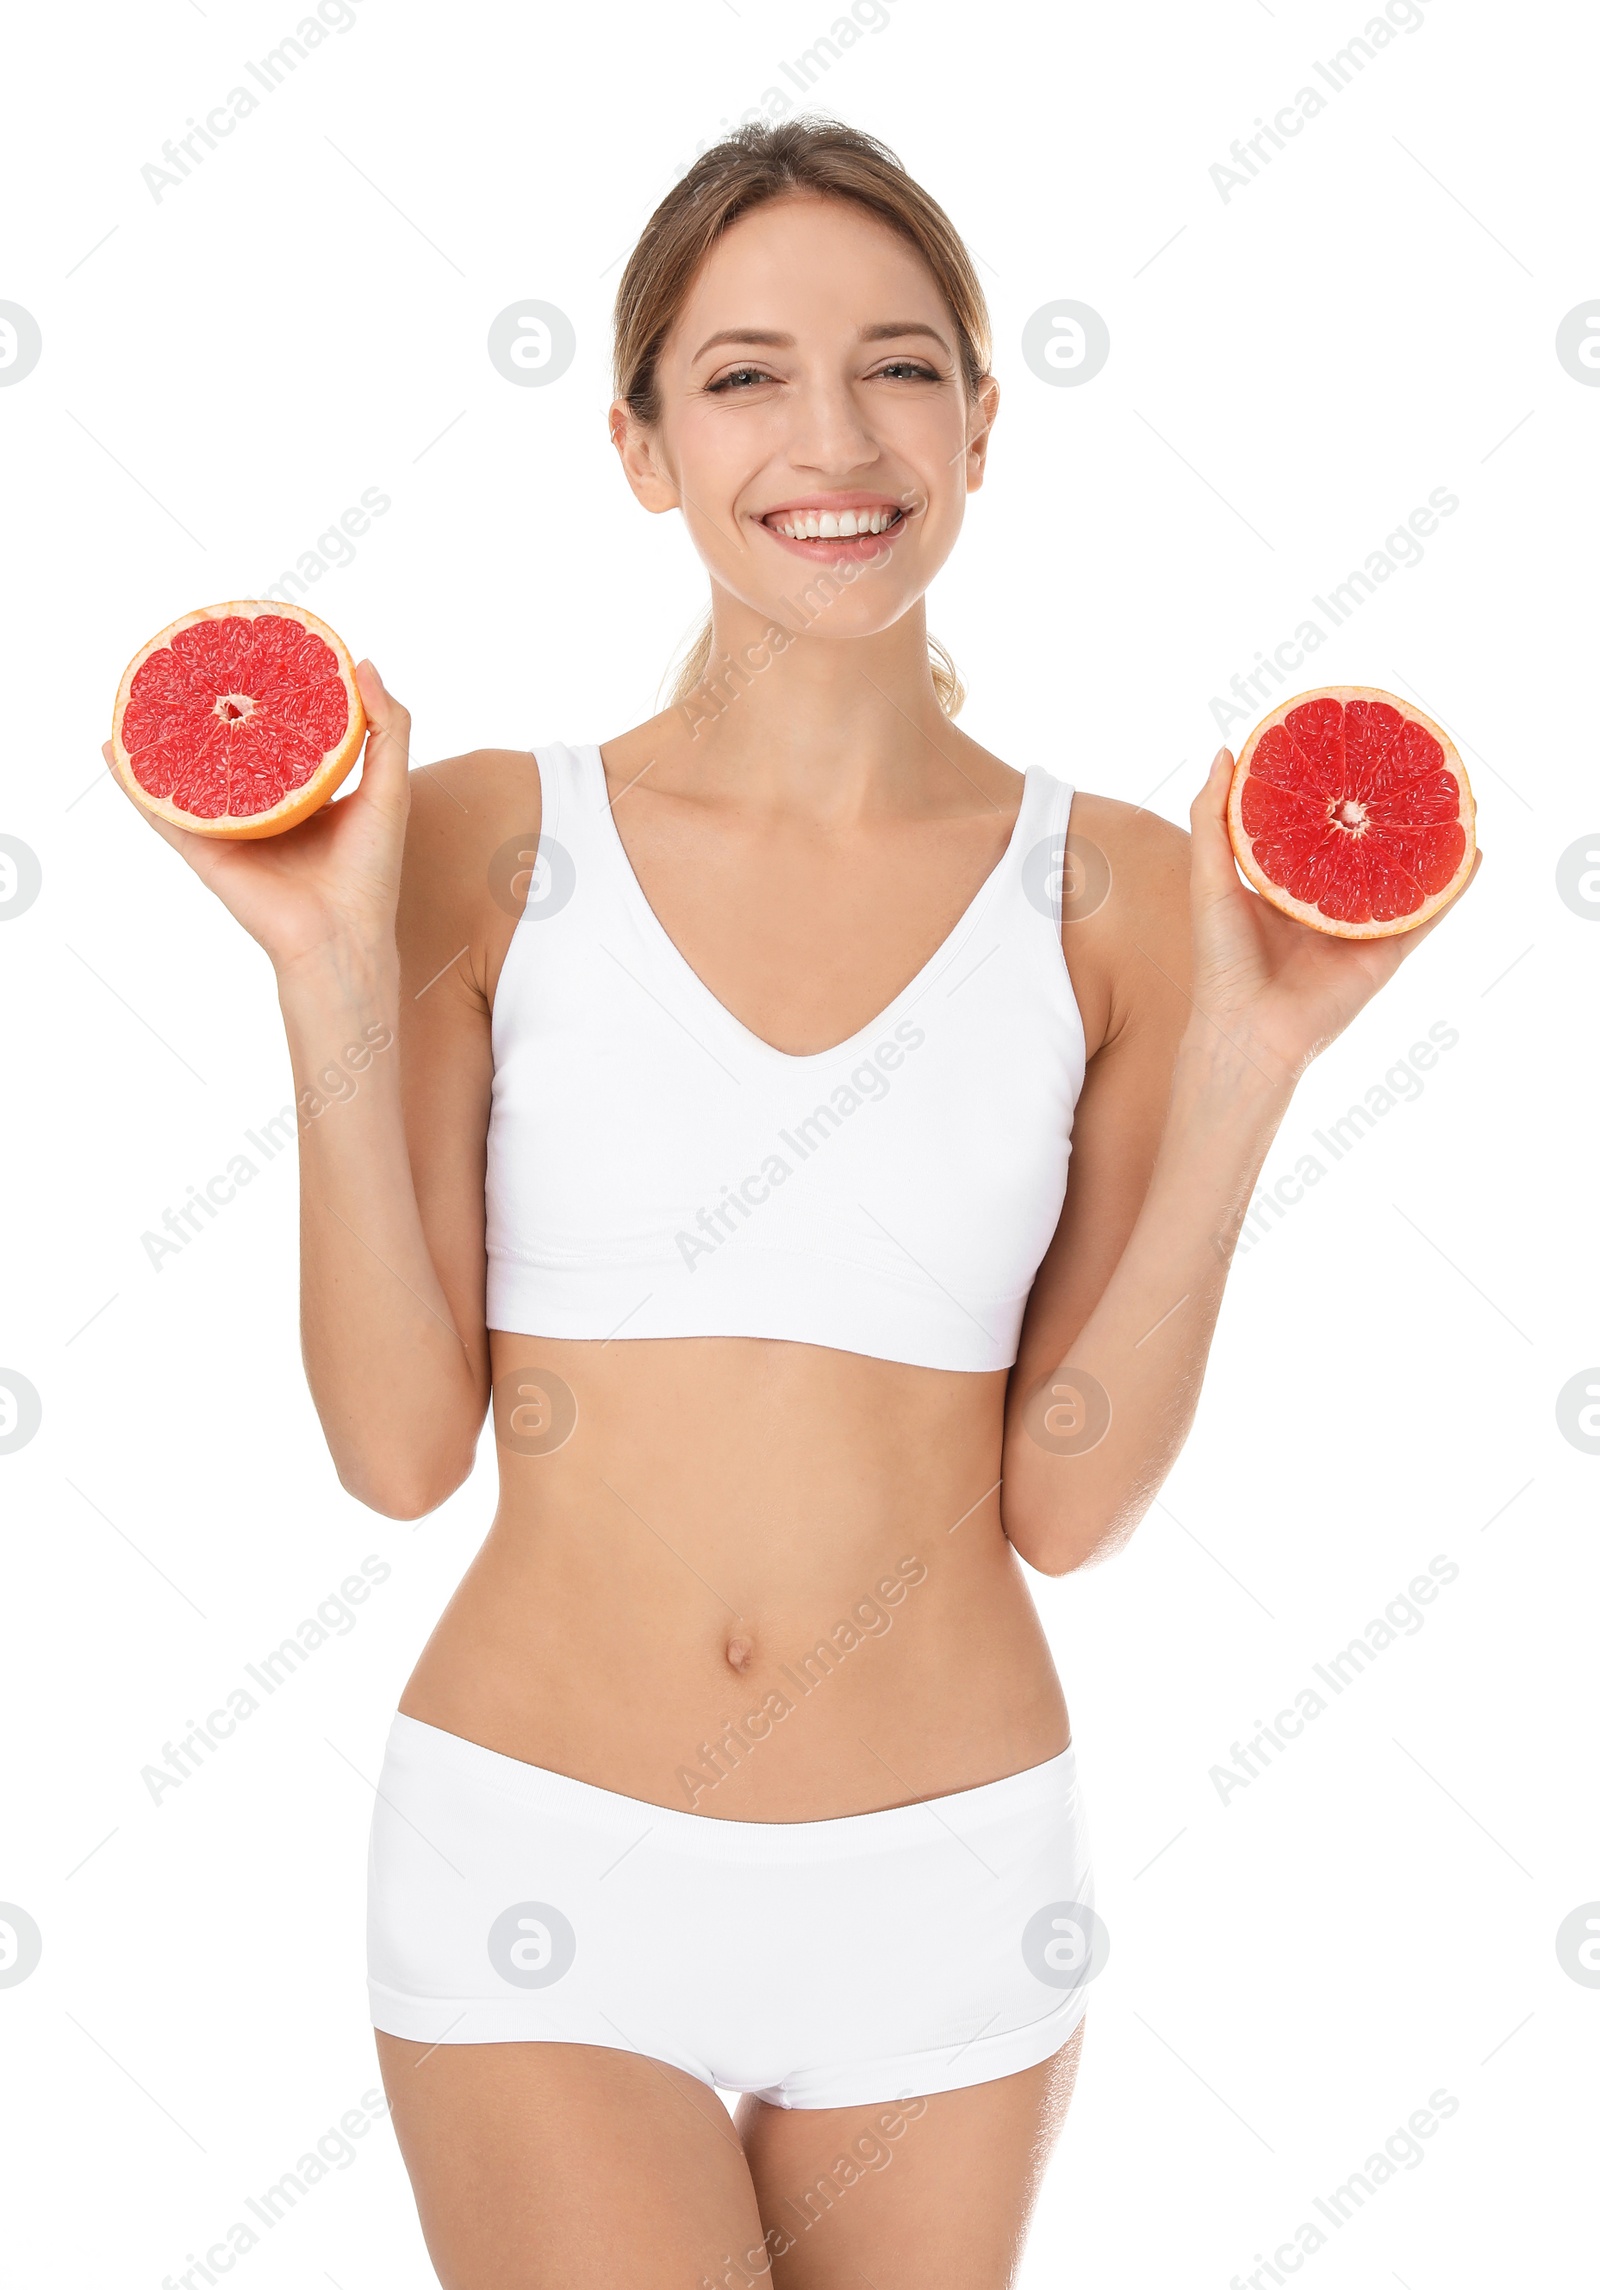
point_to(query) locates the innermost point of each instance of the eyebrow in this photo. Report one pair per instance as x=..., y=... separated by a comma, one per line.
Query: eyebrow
x=890, y=330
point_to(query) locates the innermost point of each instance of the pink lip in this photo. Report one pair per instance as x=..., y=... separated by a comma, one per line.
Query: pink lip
x=861, y=549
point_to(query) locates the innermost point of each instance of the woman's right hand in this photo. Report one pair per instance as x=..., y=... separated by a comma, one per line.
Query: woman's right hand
x=334, y=880
x=1263, y=978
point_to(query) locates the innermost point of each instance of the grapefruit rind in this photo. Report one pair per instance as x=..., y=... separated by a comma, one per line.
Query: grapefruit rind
x=300, y=802
x=1308, y=911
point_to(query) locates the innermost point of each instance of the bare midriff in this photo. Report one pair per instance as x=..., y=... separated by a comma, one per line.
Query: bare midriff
x=759, y=1581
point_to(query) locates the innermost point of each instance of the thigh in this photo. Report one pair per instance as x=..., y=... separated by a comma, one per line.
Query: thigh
x=940, y=2202
x=544, y=2164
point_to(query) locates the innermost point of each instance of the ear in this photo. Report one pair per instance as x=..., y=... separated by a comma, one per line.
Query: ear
x=636, y=448
x=983, y=413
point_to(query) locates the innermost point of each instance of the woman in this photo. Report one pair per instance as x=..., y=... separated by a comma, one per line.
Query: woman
x=727, y=1166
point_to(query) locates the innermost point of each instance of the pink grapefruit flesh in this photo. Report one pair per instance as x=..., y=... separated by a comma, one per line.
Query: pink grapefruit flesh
x=1350, y=810
x=238, y=720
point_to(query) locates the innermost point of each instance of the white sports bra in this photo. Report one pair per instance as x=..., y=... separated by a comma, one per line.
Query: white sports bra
x=657, y=1170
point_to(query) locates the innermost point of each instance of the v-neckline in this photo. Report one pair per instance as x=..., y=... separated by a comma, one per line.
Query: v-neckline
x=653, y=926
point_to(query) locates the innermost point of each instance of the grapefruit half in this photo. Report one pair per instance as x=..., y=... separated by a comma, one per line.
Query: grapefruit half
x=1350, y=810
x=238, y=720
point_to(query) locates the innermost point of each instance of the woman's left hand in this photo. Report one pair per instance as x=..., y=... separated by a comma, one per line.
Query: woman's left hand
x=1274, y=987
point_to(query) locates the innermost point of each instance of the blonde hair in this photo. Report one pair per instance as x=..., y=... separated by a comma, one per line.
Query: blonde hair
x=757, y=164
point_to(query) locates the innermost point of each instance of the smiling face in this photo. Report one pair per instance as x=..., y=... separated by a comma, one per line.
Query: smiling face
x=814, y=418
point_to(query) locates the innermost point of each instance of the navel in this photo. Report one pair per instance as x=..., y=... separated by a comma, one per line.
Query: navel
x=739, y=1651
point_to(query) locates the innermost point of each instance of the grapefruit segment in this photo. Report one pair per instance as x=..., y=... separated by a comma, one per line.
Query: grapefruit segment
x=1350, y=810
x=238, y=720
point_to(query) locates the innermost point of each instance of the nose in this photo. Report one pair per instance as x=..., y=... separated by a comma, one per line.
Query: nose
x=831, y=433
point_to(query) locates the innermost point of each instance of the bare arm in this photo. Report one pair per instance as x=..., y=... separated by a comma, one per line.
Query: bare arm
x=372, y=914
x=1224, y=1002
x=395, y=1350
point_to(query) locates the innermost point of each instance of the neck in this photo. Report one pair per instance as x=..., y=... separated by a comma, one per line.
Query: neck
x=838, y=724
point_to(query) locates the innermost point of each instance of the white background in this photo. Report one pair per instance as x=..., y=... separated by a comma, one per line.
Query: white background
x=1293, y=369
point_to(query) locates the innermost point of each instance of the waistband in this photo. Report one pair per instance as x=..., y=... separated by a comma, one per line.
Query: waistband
x=425, y=1749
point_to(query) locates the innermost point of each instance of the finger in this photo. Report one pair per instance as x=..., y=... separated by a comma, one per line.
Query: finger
x=1211, y=864
x=386, y=760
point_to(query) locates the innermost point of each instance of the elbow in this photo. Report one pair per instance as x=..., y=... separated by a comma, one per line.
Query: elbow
x=403, y=1477
x=1044, y=1544
x=398, y=1493
x=1053, y=1555
x=1056, y=1543
x=1062, y=1512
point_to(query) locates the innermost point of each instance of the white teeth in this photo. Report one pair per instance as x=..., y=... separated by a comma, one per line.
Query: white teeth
x=823, y=525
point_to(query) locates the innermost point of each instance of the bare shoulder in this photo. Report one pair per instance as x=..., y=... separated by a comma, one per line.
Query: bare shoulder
x=1128, y=954
x=457, y=801
x=471, y=840
x=1146, y=849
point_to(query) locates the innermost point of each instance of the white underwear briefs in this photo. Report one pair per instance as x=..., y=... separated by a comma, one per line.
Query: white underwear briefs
x=874, y=1957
